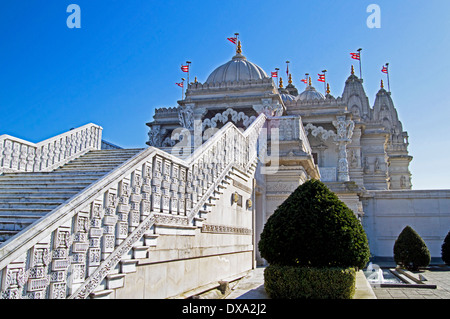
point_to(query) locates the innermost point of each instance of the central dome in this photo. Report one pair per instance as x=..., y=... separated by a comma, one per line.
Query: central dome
x=238, y=69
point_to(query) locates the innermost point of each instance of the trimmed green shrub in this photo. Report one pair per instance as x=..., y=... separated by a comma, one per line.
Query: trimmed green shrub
x=291, y=282
x=410, y=251
x=313, y=228
x=445, y=249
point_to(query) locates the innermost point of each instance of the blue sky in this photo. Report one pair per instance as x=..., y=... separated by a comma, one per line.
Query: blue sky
x=125, y=59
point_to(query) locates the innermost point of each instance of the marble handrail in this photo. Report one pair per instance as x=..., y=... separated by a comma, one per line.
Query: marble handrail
x=17, y=155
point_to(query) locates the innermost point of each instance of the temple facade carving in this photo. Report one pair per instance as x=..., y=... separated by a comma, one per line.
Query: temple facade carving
x=218, y=165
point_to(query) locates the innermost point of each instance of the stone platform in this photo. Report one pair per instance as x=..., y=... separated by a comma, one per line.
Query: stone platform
x=252, y=287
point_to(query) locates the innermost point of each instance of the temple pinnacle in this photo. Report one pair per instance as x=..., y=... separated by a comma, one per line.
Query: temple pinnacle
x=239, y=49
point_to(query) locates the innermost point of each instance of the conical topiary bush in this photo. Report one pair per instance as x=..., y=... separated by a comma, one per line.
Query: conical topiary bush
x=410, y=251
x=315, y=241
x=446, y=249
x=313, y=227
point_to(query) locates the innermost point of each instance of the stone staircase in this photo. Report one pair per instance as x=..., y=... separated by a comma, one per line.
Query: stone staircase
x=142, y=249
x=26, y=197
x=91, y=221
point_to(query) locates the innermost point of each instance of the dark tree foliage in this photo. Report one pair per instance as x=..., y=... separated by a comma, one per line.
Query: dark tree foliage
x=312, y=227
x=446, y=249
x=410, y=251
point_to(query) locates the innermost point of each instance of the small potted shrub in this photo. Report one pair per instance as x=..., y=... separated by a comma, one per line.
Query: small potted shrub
x=314, y=245
x=445, y=249
x=410, y=251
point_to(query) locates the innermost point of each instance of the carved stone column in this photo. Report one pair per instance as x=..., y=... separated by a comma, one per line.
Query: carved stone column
x=343, y=137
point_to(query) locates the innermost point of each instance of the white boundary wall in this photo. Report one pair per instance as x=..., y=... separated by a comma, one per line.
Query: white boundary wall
x=388, y=212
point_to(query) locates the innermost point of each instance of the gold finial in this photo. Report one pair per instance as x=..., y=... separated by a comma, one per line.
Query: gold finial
x=382, y=85
x=239, y=49
x=290, y=79
x=328, y=88
x=353, y=70
x=195, y=79
x=310, y=81
x=281, y=83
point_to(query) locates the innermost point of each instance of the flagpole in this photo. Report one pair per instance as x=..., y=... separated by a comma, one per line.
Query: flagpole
x=182, y=88
x=325, y=80
x=276, y=70
x=387, y=69
x=360, y=68
x=189, y=68
x=237, y=40
x=306, y=77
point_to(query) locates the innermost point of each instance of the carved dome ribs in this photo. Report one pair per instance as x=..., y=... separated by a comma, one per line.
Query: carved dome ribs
x=309, y=94
x=238, y=69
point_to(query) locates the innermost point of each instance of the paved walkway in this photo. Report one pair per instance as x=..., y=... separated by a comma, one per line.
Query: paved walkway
x=435, y=275
x=252, y=286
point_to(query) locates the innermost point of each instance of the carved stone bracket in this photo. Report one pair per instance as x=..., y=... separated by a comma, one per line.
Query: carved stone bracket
x=223, y=117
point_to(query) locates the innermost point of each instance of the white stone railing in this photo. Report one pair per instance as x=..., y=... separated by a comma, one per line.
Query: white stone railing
x=291, y=128
x=72, y=250
x=17, y=155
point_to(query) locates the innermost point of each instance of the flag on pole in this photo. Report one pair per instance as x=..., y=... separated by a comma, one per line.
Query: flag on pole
x=287, y=68
x=232, y=40
x=274, y=74
x=355, y=56
x=185, y=68
x=384, y=69
x=304, y=80
x=180, y=84
x=321, y=77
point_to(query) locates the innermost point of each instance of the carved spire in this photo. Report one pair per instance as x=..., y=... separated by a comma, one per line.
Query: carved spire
x=310, y=81
x=353, y=70
x=281, y=83
x=290, y=79
x=382, y=85
x=328, y=88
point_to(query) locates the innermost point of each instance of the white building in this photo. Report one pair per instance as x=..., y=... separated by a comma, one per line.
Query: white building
x=82, y=219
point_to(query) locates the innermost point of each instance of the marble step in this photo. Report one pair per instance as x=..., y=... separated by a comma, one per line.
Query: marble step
x=19, y=192
x=102, y=294
x=38, y=198
x=26, y=205
x=46, y=182
x=51, y=176
x=11, y=212
x=16, y=222
x=6, y=234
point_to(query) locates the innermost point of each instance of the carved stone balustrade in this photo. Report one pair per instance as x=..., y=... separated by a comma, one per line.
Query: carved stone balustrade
x=17, y=155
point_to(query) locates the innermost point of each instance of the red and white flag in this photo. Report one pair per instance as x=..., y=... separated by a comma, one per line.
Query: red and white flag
x=274, y=74
x=384, y=69
x=232, y=40
x=304, y=81
x=321, y=77
x=185, y=68
x=180, y=84
x=355, y=56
